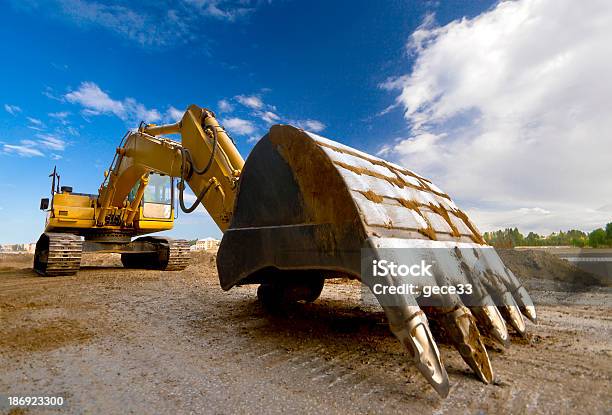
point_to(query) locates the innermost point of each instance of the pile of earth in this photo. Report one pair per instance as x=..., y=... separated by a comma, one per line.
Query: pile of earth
x=535, y=264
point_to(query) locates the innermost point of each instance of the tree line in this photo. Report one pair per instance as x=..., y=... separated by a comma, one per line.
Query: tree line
x=511, y=237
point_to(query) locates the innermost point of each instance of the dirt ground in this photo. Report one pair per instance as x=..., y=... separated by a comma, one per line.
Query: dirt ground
x=111, y=340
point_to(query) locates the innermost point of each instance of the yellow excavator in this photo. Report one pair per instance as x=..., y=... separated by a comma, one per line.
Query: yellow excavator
x=300, y=210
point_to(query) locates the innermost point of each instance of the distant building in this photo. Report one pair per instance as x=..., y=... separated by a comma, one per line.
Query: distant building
x=206, y=244
x=17, y=248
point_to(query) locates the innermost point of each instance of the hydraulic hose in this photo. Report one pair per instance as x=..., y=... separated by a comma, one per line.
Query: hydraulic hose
x=186, y=156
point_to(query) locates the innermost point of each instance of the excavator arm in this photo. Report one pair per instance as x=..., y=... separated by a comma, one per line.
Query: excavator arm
x=206, y=159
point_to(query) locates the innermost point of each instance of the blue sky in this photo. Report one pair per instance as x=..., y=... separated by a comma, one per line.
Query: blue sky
x=79, y=73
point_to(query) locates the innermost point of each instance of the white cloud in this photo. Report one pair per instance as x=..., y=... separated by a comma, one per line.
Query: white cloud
x=540, y=220
x=223, y=9
x=12, y=109
x=239, y=126
x=35, y=121
x=140, y=26
x=311, y=125
x=261, y=111
x=269, y=117
x=225, y=106
x=536, y=210
x=95, y=102
x=147, y=24
x=174, y=114
x=251, y=101
x=25, y=149
x=72, y=131
x=511, y=109
x=51, y=141
x=59, y=115
x=35, y=148
x=50, y=93
x=389, y=108
x=137, y=111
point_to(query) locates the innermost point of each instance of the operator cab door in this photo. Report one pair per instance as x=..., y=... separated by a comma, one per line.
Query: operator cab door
x=158, y=198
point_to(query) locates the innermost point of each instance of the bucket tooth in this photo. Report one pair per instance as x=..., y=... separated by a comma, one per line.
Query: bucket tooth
x=511, y=313
x=513, y=285
x=414, y=334
x=460, y=326
x=525, y=304
x=492, y=323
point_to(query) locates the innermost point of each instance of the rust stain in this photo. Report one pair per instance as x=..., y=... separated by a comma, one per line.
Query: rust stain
x=444, y=213
x=371, y=160
x=476, y=236
x=429, y=231
x=395, y=170
x=411, y=204
x=363, y=171
x=373, y=197
x=396, y=180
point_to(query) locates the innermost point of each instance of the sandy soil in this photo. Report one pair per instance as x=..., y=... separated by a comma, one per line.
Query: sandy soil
x=111, y=340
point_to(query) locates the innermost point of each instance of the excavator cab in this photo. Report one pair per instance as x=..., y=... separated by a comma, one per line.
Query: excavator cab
x=158, y=199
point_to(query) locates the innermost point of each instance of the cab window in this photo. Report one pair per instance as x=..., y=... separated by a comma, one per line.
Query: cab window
x=159, y=190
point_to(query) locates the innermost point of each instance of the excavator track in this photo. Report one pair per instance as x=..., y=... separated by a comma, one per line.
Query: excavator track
x=171, y=255
x=179, y=256
x=58, y=254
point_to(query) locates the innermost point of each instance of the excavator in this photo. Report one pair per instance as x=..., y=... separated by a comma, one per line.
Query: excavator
x=300, y=210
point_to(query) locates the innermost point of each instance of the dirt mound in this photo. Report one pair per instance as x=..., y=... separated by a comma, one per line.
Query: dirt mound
x=542, y=265
x=96, y=259
x=198, y=257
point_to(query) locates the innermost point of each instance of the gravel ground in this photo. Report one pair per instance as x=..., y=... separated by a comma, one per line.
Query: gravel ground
x=111, y=340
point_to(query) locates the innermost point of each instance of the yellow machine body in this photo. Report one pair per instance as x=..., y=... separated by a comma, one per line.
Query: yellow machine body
x=76, y=213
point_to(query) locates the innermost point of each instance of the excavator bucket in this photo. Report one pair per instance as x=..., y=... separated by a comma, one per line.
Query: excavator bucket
x=309, y=208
